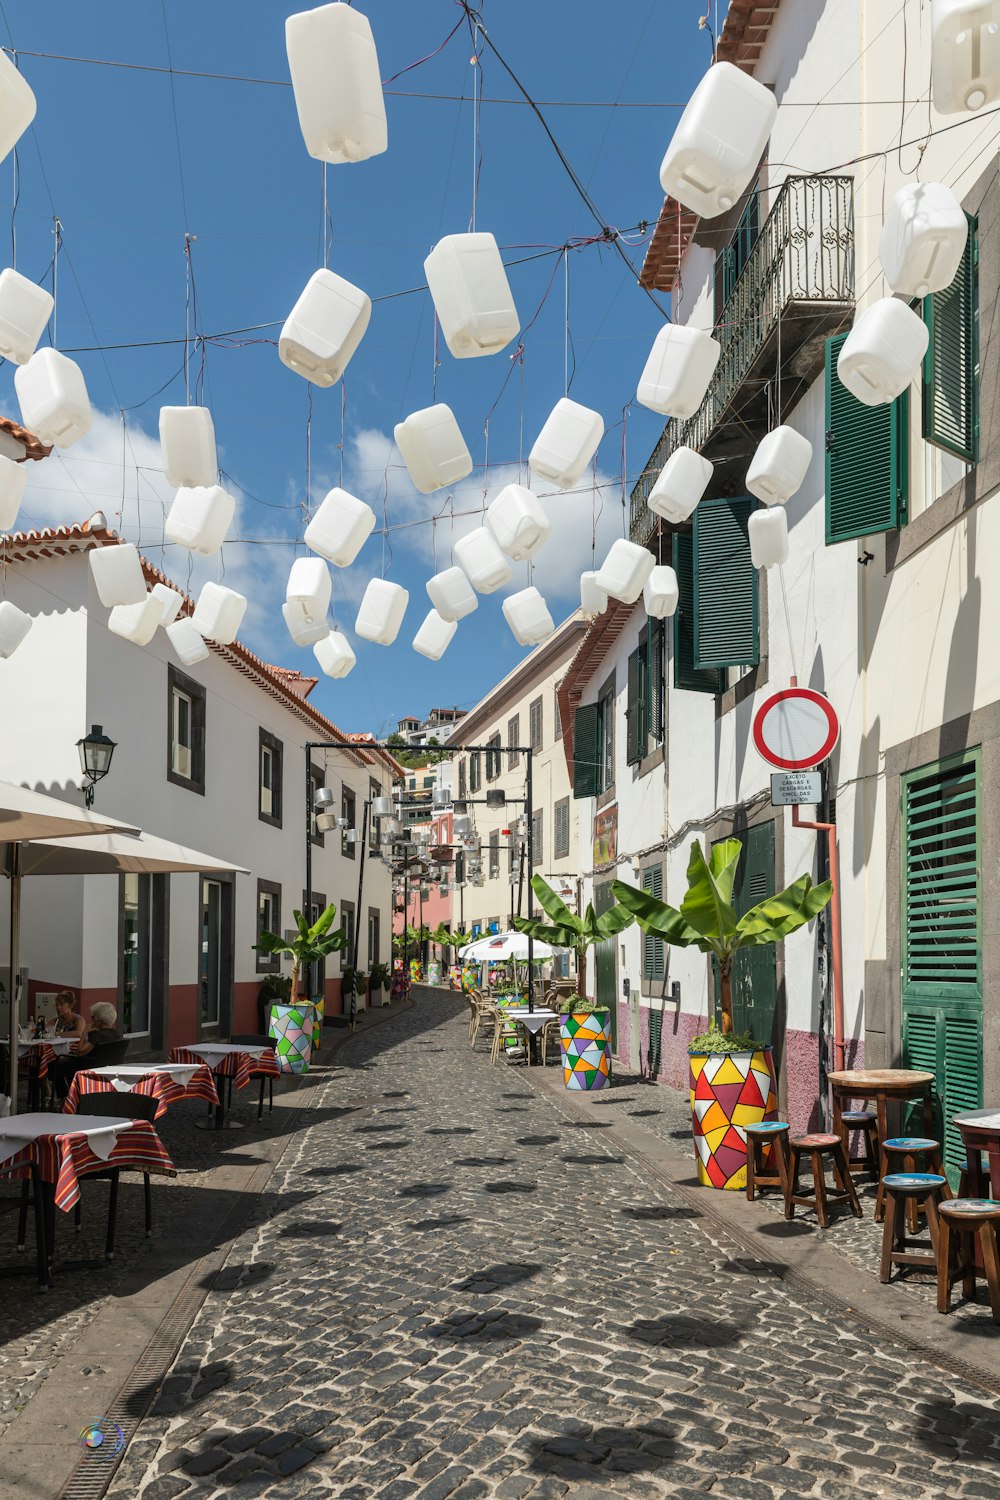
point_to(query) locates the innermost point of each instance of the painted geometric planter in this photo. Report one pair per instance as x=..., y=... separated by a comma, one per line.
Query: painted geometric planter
x=319, y=1005
x=292, y=1028
x=434, y=972
x=729, y=1091
x=585, y=1039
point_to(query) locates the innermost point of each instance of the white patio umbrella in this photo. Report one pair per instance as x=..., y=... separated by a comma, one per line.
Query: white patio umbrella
x=501, y=945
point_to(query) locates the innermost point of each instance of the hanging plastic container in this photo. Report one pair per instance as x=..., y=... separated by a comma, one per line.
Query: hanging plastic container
x=219, y=613
x=14, y=625
x=13, y=479
x=187, y=446
x=310, y=587
x=451, y=594
x=923, y=239
x=434, y=636
x=593, y=599
x=768, y=534
x=52, y=395
x=567, y=443
x=24, y=311
x=518, y=522
x=625, y=571
x=199, y=518
x=679, y=485
x=718, y=141
x=337, y=83
x=381, y=613
x=117, y=574
x=433, y=448
x=680, y=366
x=883, y=352
x=482, y=561
x=471, y=295
x=334, y=654
x=528, y=616
x=340, y=528
x=190, y=646
x=660, y=593
x=169, y=601
x=779, y=465
x=138, y=623
x=17, y=105
x=965, y=54
x=303, y=631
x=324, y=328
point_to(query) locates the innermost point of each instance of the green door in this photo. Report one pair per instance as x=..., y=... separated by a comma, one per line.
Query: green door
x=755, y=975
x=941, y=914
x=605, y=967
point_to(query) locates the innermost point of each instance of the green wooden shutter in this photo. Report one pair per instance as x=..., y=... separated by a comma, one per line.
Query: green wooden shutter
x=950, y=406
x=725, y=586
x=633, y=710
x=652, y=947
x=866, y=459
x=685, y=673
x=605, y=981
x=656, y=643
x=585, y=736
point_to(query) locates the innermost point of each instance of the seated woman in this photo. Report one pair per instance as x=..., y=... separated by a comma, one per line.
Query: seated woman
x=103, y=1021
x=69, y=1022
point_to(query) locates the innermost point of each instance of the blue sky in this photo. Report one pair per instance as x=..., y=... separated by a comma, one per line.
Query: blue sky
x=104, y=155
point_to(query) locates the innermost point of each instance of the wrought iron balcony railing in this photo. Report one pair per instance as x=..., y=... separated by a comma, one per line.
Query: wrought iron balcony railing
x=796, y=284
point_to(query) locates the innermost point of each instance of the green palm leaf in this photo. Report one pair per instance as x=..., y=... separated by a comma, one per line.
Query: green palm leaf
x=775, y=918
x=707, y=904
x=656, y=917
x=554, y=908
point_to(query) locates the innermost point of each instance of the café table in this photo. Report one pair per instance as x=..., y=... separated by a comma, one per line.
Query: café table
x=236, y=1060
x=980, y=1131
x=532, y=1020
x=43, y=1052
x=167, y=1083
x=880, y=1084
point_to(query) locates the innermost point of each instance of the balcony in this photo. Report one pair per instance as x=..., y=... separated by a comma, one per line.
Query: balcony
x=796, y=289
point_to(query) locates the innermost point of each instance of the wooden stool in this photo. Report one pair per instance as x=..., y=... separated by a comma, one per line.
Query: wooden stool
x=866, y=1122
x=773, y=1134
x=899, y=1249
x=964, y=1218
x=908, y=1153
x=817, y=1147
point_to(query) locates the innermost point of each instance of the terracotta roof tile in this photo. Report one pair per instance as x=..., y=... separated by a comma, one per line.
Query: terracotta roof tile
x=33, y=446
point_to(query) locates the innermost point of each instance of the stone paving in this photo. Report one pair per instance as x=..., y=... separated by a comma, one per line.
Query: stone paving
x=456, y=1289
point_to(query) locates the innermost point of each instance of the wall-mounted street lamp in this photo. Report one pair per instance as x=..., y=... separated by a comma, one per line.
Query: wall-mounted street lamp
x=96, y=751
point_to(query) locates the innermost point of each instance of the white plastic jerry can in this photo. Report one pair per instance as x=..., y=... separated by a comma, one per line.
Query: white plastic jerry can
x=24, y=311
x=14, y=623
x=471, y=294
x=187, y=641
x=433, y=448
x=13, y=479
x=303, y=631
x=199, y=518
x=117, y=574
x=518, y=522
x=17, y=105
x=718, y=141
x=451, y=594
x=660, y=593
x=309, y=588
x=593, y=599
x=679, y=485
x=324, y=328
x=768, y=534
x=187, y=446
x=340, y=527
x=680, y=366
x=482, y=561
x=625, y=571
x=219, y=613
x=528, y=616
x=567, y=443
x=52, y=395
x=779, y=465
x=138, y=623
x=434, y=636
x=169, y=601
x=923, y=239
x=334, y=654
x=381, y=612
x=337, y=83
x=965, y=54
x=883, y=352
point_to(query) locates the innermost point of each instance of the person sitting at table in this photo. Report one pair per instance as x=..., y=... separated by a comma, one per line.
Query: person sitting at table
x=69, y=1022
x=103, y=1021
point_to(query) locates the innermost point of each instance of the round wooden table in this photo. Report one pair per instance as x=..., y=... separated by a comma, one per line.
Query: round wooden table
x=880, y=1084
x=980, y=1130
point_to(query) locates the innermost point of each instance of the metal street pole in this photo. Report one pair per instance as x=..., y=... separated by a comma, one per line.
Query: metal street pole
x=357, y=912
x=528, y=812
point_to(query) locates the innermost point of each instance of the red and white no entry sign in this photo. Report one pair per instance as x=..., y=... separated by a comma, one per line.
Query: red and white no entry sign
x=795, y=729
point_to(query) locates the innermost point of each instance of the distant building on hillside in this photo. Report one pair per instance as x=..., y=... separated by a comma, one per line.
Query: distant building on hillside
x=438, y=723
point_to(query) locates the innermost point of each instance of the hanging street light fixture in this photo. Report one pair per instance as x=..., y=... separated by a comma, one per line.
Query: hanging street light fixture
x=96, y=751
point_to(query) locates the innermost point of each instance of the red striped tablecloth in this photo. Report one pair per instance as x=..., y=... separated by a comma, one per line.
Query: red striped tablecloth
x=156, y=1085
x=239, y=1066
x=64, y=1159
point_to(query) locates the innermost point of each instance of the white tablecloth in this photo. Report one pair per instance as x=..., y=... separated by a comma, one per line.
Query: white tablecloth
x=214, y=1052
x=534, y=1020
x=19, y=1131
x=59, y=1044
x=126, y=1075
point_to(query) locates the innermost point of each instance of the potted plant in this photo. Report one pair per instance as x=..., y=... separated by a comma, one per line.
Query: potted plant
x=379, y=980
x=275, y=987
x=584, y=1028
x=295, y=1025
x=732, y=1078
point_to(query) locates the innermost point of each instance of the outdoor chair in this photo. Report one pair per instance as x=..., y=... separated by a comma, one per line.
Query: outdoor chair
x=961, y=1222
x=817, y=1147
x=108, y=1055
x=898, y=1247
x=247, y=1039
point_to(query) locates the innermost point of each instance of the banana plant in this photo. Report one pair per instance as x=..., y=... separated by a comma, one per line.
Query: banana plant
x=309, y=946
x=445, y=938
x=707, y=920
x=564, y=929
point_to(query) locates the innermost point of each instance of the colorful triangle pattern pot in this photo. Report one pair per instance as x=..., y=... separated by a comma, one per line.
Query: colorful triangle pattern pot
x=729, y=1091
x=585, y=1039
x=292, y=1028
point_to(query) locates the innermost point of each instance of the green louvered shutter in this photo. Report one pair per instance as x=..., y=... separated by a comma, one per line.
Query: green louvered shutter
x=950, y=398
x=725, y=586
x=866, y=459
x=657, y=648
x=685, y=674
x=633, y=711
x=585, y=767
x=652, y=947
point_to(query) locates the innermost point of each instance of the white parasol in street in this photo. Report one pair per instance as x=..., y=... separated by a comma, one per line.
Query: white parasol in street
x=503, y=945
